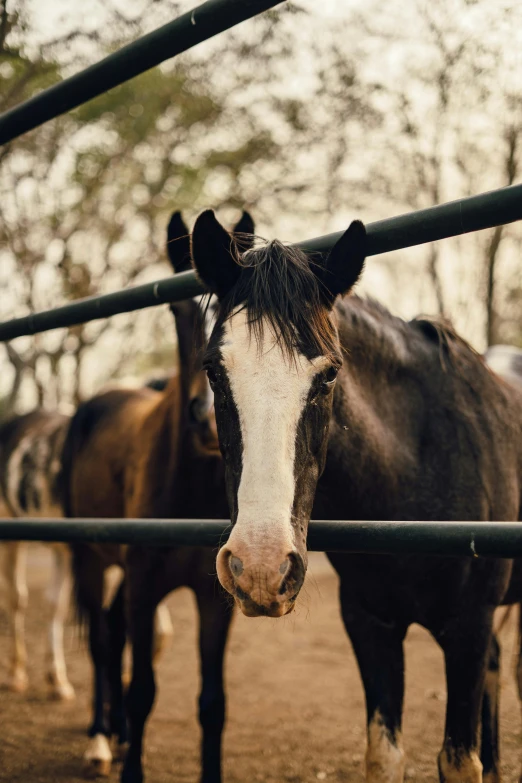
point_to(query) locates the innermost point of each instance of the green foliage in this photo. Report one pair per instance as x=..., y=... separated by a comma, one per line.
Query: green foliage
x=134, y=108
x=98, y=184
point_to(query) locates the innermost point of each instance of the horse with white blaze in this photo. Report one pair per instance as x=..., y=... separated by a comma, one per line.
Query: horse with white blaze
x=337, y=409
x=30, y=472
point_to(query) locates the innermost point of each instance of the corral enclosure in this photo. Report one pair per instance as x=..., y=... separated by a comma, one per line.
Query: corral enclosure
x=301, y=721
x=297, y=107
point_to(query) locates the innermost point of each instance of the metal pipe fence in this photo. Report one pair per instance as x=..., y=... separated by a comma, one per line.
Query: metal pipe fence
x=194, y=27
x=497, y=207
x=468, y=539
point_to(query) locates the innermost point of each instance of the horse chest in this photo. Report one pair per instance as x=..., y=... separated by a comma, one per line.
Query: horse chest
x=419, y=589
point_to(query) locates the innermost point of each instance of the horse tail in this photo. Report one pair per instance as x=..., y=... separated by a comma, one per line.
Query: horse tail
x=70, y=448
x=78, y=432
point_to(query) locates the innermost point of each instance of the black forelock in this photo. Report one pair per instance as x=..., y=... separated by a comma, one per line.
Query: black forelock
x=277, y=285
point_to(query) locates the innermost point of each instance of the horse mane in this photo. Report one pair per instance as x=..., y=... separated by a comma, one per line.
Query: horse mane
x=278, y=286
x=456, y=349
x=396, y=340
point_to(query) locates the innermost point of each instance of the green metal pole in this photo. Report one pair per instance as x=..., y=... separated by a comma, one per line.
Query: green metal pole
x=456, y=217
x=463, y=539
x=186, y=31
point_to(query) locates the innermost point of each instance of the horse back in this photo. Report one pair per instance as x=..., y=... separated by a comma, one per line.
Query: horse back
x=99, y=451
x=30, y=464
x=421, y=425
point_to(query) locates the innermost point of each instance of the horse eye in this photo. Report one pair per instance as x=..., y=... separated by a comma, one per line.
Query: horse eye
x=330, y=375
x=212, y=377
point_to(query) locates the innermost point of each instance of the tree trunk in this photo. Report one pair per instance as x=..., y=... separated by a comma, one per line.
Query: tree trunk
x=433, y=271
x=491, y=260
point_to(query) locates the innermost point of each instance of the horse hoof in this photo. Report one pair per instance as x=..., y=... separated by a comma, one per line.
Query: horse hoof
x=97, y=768
x=98, y=757
x=18, y=682
x=60, y=691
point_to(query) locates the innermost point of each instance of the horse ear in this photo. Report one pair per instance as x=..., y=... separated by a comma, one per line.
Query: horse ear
x=178, y=244
x=244, y=231
x=214, y=254
x=345, y=262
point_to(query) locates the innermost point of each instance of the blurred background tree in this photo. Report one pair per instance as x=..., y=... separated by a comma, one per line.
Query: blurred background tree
x=445, y=78
x=306, y=116
x=85, y=200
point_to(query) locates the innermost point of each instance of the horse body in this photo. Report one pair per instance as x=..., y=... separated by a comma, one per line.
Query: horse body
x=436, y=437
x=505, y=361
x=124, y=449
x=30, y=447
x=378, y=419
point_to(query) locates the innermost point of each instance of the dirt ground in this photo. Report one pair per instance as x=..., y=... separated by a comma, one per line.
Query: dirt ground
x=296, y=708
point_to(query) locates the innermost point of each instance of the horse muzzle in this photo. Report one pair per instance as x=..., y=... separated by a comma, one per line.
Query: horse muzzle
x=264, y=583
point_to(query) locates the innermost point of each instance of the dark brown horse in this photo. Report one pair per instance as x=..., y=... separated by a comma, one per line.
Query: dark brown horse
x=506, y=361
x=339, y=409
x=30, y=448
x=147, y=453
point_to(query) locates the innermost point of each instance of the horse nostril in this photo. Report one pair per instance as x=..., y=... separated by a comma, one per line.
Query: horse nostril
x=294, y=571
x=236, y=566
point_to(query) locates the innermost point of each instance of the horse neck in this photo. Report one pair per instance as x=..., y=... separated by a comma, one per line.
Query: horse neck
x=177, y=457
x=190, y=329
x=372, y=439
x=169, y=419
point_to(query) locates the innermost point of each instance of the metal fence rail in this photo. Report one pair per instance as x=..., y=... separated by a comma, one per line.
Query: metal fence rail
x=472, y=539
x=200, y=24
x=495, y=208
x=498, y=207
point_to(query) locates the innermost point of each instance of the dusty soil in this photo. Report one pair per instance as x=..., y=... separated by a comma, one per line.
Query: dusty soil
x=296, y=708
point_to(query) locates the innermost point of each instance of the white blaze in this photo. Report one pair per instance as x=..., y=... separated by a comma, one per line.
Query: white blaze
x=270, y=393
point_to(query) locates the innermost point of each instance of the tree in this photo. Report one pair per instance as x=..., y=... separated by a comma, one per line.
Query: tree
x=85, y=199
x=448, y=89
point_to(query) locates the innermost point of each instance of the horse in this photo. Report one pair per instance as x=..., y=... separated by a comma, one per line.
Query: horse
x=506, y=362
x=30, y=447
x=30, y=474
x=147, y=453
x=332, y=406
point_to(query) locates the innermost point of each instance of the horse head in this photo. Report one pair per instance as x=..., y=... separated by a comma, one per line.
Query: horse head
x=194, y=321
x=272, y=361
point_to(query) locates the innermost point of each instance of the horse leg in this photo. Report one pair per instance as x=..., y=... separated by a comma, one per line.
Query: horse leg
x=16, y=569
x=98, y=756
x=489, y=748
x=117, y=631
x=466, y=643
x=61, y=688
x=163, y=631
x=215, y=615
x=378, y=647
x=143, y=598
x=140, y=696
x=519, y=661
